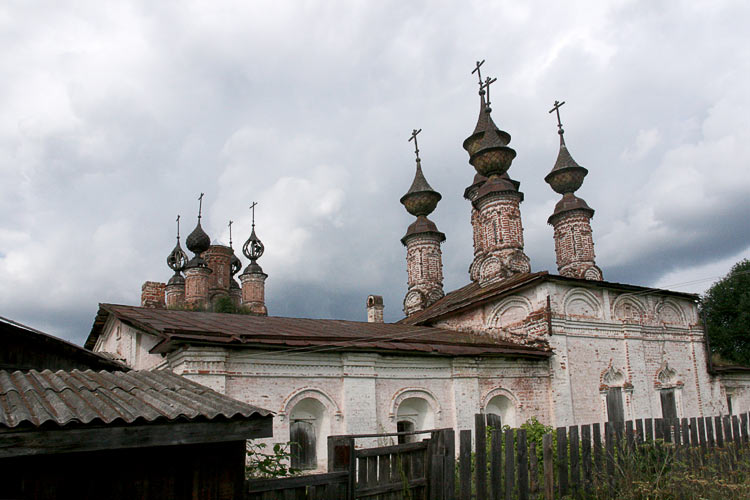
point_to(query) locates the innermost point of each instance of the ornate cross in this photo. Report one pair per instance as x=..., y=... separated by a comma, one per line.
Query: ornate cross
x=252, y=207
x=486, y=85
x=178, y=227
x=478, y=71
x=200, y=205
x=556, y=108
x=414, y=134
x=230, y=233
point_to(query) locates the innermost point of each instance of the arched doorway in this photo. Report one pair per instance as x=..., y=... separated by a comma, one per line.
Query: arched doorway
x=504, y=409
x=309, y=427
x=414, y=414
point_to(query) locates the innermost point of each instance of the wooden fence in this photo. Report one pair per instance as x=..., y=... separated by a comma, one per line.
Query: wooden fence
x=494, y=464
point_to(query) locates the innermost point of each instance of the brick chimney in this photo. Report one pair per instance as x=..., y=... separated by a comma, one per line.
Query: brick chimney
x=375, y=309
x=152, y=295
x=574, y=242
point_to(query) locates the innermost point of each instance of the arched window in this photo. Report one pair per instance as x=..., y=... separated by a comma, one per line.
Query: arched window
x=502, y=407
x=309, y=427
x=414, y=414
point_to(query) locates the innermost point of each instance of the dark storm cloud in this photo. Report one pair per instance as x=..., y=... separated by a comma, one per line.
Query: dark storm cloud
x=117, y=116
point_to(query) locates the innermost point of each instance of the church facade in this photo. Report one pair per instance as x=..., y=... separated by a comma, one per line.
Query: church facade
x=566, y=348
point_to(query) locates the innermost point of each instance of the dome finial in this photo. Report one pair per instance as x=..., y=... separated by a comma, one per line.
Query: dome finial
x=413, y=137
x=421, y=199
x=234, y=263
x=177, y=258
x=486, y=85
x=556, y=108
x=478, y=71
x=253, y=247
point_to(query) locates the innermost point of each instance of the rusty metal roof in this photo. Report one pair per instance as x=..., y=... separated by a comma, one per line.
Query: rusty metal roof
x=63, y=398
x=189, y=327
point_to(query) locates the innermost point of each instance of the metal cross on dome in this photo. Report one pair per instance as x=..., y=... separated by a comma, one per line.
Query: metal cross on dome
x=414, y=134
x=230, y=233
x=200, y=205
x=252, y=207
x=486, y=85
x=178, y=227
x=556, y=108
x=478, y=72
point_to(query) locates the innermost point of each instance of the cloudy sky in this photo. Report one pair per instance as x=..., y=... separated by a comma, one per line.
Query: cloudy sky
x=116, y=115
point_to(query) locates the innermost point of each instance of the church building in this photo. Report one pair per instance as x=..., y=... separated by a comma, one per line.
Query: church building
x=567, y=348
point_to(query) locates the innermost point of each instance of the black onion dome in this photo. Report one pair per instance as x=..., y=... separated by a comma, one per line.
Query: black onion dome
x=567, y=175
x=420, y=199
x=198, y=241
x=422, y=225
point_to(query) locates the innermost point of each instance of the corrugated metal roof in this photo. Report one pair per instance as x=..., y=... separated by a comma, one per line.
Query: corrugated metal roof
x=88, y=397
x=175, y=327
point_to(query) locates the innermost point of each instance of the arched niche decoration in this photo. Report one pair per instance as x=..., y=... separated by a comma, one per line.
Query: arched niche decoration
x=582, y=302
x=670, y=312
x=666, y=377
x=309, y=392
x=413, y=392
x=497, y=391
x=629, y=308
x=509, y=311
x=613, y=377
x=489, y=267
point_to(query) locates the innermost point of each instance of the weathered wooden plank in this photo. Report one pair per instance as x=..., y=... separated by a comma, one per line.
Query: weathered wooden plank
x=575, y=472
x=667, y=423
x=702, y=433
x=743, y=427
x=523, y=464
x=685, y=432
x=361, y=472
x=372, y=471
x=649, y=429
x=658, y=429
x=449, y=465
x=694, y=432
x=260, y=485
x=710, y=432
x=586, y=457
x=728, y=435
x=630, y=436
x=719, y=432
x=496, y=467
x=562, y=462
x=395, y=487
x=639, y=431
x=596, y=428
x=480, y=457
x=351, y=486
x=736, y=430
x=609, y=437
x=509, y=479
x=388, y=450
x=464, y=463
x=533, y=469
x=549, y=480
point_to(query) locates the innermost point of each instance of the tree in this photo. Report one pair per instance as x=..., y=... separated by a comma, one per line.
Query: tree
x=727, y=308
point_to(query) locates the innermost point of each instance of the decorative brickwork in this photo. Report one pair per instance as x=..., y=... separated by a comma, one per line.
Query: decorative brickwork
x=175, y=295
x=152, y=295
x=196, y=286
x=424, y=266
x=253, y=292
x=375, y=309
x=218, y=258
x=574, y=245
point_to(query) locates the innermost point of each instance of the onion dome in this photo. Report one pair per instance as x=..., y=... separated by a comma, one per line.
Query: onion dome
x=198, y=241
x=420, y=199
x=487, y=146
x=567, y=175
x=253, y=250
x=177, y=260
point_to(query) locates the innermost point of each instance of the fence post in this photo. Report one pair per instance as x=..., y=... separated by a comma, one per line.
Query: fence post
x=728, y=438
x=575, y=474
x=480, y=441
x=449, y=465
x=743, y=426
x=464, y=458
x=352, y=470
x=523, y=465
x=586, y=455
x=685, y=432
x=562, y=462
x=533, y=469
x=496, y=464
x=702, y=433
x=639, y=431
x=548, y=475
x=609, y=436
x=510, y=460
x=710, y=432
x=597, y=450
x=719, y=433
x=694, y=431
x=649, y=429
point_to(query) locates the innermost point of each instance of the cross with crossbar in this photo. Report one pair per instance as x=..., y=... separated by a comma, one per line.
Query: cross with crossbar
x=414, y=134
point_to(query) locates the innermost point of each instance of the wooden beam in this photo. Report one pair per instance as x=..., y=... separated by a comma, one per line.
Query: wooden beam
x=50, y=441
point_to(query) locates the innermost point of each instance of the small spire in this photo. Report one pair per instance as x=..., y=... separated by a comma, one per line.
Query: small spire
x=253, y=248
x=234, y=263
x=566, y=175
x=177, y=259
x=230, y=233
x=420, y=199
x=200, y=205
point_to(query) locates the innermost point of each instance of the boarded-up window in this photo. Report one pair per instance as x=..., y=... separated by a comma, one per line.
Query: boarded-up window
x=302, y=436
x=668, y=404
x=615, y=411
x=405, y=426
